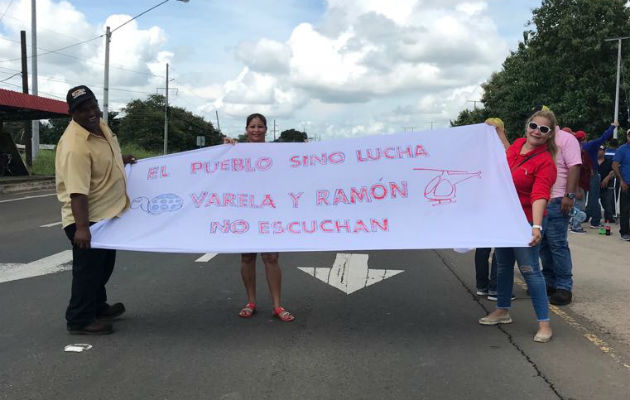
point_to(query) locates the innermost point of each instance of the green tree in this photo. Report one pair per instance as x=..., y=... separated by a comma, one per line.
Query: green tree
x=50, y=131
x=292, y=135
x=143, y=124
x=563, y=63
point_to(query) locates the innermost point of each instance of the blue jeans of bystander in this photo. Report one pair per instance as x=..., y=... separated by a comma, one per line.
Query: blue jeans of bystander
x=593, y=208
x=555, y=255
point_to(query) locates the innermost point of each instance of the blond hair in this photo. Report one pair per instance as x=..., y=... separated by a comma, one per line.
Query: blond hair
x=553, y=124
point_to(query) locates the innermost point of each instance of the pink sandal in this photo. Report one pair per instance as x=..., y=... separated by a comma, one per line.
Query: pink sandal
x=248, y=311
x=283, y=315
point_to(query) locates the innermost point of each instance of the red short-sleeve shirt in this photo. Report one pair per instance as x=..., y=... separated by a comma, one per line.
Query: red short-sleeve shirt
x=533, y=178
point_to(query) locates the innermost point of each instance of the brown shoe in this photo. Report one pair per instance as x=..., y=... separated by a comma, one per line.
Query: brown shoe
x=95, y=328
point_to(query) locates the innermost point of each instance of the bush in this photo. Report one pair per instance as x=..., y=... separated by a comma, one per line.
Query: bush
x=44, y=164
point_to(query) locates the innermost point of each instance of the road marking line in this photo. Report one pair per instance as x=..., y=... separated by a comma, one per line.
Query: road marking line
x=206, y=257
x=47, y=265
x=591, y=337
x=28, y=197
x=51, y=224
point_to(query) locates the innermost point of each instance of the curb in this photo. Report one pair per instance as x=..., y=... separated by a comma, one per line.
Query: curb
x=26, y=185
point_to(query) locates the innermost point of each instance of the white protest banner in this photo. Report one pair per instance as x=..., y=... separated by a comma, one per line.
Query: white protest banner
x=448, y=188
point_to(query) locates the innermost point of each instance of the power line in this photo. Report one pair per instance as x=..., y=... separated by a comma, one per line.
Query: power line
x=5, y=10
x=56, y=50
x=14, y=75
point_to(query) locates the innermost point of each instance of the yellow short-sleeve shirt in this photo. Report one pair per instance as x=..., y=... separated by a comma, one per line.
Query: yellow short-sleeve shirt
x=91, y=165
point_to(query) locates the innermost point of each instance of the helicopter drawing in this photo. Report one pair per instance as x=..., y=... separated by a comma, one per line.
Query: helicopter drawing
x=442, y=189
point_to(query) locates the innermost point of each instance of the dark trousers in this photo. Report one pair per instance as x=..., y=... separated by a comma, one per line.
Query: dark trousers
x=624, y=209
x=607, y=197
x=91, y=269
x=482, y=268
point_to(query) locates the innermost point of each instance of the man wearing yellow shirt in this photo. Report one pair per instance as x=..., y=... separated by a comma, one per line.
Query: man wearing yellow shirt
x=91, y=185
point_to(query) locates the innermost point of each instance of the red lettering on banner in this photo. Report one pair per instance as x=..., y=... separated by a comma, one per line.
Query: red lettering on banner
x=340, y=197
x=364, y=194
x=321, y=225
x=361, y=195
x=391, y=153
x=198, y=200
x=152, y=173
x=291, y=225
x=322, y=197
x=313, y=227
x=312, y=160
x=239, y=226
x=360, y=226
x=345, y=226
x=213, y=199
x=296, y=198
x=231, y=164
x=238, y=200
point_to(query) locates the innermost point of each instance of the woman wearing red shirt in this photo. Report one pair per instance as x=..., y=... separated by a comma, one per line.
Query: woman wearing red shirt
x=531, y=160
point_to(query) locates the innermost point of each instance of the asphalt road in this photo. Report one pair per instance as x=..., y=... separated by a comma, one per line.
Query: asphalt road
x=412, y=336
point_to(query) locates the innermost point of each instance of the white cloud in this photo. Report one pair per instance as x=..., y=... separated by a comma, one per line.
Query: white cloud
x=361, y=67
x=366, y=51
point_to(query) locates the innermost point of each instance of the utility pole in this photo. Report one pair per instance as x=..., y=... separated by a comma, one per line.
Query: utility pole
x=28, y=149
x=410, y=128
x=108, y=38
x=618, y=39
x=274, y=130
x=218, y=125
x=34, y=124
x=166, y=114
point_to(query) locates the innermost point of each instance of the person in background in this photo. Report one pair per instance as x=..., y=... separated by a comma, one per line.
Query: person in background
x=530, y=160
x=621, y=166
x=256, y=129
x=555, y=255
x=607, y=186
x=92, y=186
x=593, y=209
x=584, y=183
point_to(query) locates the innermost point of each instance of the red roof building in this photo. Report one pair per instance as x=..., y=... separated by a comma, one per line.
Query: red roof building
x=16, y=106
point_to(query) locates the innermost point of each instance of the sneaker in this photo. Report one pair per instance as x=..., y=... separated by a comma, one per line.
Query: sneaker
x=625, y=237
x=561, y=297
x=494, y=297
x=113, y=311
x=596, y=226
x=481, y=292
x=577, y=230
x=95, y=328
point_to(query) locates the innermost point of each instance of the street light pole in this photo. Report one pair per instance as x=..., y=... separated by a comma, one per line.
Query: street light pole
x=618, y=39
x=166, y=114
x=108, y=37
x=35, y=123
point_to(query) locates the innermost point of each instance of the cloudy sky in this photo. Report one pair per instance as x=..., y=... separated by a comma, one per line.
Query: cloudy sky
x=330, y=67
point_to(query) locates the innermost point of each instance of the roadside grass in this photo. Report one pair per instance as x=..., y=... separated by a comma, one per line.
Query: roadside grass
x=44, y=164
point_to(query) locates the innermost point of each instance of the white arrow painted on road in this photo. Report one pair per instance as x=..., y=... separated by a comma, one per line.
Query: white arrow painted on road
x=350, y=273
x=47, y=265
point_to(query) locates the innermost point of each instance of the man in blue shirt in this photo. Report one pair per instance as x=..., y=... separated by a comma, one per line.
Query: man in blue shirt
x=621, y=166
x=593, y=209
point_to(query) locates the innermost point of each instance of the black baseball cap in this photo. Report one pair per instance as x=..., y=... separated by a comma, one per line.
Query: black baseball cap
x=78, y=95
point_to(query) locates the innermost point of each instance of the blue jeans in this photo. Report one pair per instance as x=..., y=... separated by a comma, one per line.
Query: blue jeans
x=554, y=248
x=580, y=205
x=527, y=260
x=593, y=209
